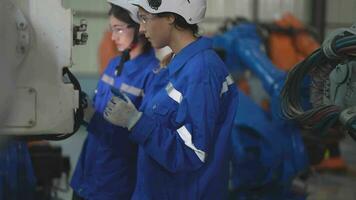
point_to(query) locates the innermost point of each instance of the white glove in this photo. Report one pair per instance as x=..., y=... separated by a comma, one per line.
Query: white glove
x=121, y=111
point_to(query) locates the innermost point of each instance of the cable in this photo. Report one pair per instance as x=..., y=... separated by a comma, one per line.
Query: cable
x=78, y=115
x=317, y=67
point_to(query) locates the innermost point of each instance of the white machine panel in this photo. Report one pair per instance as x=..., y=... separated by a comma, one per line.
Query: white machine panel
x=43, y=103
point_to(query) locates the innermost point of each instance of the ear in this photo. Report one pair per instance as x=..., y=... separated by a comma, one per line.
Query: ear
x=171, y=19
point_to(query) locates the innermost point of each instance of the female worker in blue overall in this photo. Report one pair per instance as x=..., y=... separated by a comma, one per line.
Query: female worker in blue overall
x=183, y=130
x=106, y=169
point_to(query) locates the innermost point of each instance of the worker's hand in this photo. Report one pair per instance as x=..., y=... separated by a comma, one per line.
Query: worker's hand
x=88, y=107
x=121, y=111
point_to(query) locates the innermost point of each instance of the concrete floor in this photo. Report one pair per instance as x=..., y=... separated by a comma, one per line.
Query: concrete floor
x=332, y=187
x=336, y=186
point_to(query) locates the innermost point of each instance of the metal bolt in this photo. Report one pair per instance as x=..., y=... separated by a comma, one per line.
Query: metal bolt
x=22, y=26
x=31, y=122
x=21, y=49
x=31, y=91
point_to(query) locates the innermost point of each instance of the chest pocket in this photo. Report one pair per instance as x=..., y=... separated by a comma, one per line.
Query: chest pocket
x=160, y=109
x=165, y=105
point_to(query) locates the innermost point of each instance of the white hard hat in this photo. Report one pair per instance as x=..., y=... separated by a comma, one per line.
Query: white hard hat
x=133, y=10
x=193, y=11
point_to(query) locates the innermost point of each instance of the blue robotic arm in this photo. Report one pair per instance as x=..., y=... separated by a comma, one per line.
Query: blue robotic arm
x=249, y=48
x=273, y=143
x=244, y=48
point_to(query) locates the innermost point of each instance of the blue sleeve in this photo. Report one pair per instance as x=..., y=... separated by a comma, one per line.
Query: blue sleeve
x=184, y=147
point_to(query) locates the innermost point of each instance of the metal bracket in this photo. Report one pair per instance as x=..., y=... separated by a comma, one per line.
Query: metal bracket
x=347, y=116
x=80, y=36
x=327, y=45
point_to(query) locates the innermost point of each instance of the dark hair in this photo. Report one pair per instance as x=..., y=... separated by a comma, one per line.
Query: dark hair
x=124, y=15
x=181, y=23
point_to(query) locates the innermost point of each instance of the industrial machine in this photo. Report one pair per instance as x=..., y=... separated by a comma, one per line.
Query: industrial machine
x=331, y=73
x=40, y=96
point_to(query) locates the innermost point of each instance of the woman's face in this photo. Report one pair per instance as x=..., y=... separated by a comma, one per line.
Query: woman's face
x=156, y=29
x=122, y=35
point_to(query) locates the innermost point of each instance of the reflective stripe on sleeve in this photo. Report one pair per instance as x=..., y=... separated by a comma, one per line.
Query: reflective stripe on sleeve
x=107, y=79
x=183, y=131
x=187, y=138
x=131, y=90
x=225, y=86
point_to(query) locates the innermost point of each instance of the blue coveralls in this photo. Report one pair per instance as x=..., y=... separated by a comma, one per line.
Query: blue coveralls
x=106, y=168
x=17, y=178
x=184, y=132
